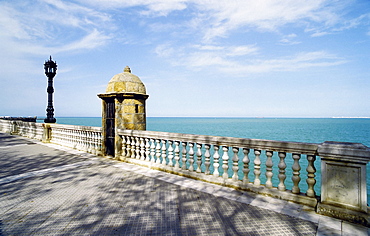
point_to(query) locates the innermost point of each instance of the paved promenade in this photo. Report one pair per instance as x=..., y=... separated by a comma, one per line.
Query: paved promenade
x=46, y=189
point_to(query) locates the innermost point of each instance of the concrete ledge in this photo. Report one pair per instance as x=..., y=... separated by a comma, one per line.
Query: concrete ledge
x=344, y=214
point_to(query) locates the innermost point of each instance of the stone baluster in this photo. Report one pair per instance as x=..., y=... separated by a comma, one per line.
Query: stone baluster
x=84, y=141
x=88, y=141
x=78, y=138
x=216, y=156
x=99, y=142
x=80, y=141
x=191, y=157
x=158, y=151
x=199, y=157
x=170, y=153
x=296, y=168
x=225, y=162
x=133, y=148
x=68, y=141
x=128, y=146
x=147, y=149
x=311, y=170
x=66, y=138
x=164, y=152
x=137, y=150
x=75, y=139
x=66, y=134
x=184, y=152
x=152, y=151
x=53, y=137
x=92, y=141
x=269, y=173
x=96, y=143
x=207, y=161
x=177, y=155
x=257, y=168
x=124, y=148
x=72, y=139
x=142, y=149
x=246, y=166
x=282, y=175
x=235, y=167
x=57, y=135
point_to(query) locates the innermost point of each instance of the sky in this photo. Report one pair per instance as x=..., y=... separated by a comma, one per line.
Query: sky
x=197, y=58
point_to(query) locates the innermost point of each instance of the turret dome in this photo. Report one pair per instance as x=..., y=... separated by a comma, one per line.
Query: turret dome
x=126, y=82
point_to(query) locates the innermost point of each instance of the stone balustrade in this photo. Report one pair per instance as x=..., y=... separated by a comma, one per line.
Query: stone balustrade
x=285, y=170
x=263, y=166
x=292, y=171
x=84, y=138
x=27, y=129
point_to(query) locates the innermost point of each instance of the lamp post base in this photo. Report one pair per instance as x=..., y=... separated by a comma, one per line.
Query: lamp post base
x=50, y=120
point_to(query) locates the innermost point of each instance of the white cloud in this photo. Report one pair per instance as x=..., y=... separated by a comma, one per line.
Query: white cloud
x=43, y=26
x=263, y=15
x=164, y=50
x=217, y=18
x=153, y=7
x=226, y=59
x=296, y=62
x=289, y=40
x=241, y=50
x=201, y=56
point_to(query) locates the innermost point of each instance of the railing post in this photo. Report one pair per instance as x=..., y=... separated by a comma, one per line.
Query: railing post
x=46, y=136
x=343, y=181
x=14, y=127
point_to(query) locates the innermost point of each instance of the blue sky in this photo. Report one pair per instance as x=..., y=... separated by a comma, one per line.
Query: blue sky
x=248, y=58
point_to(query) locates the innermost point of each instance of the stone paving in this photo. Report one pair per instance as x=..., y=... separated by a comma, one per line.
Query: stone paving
x=46, y=189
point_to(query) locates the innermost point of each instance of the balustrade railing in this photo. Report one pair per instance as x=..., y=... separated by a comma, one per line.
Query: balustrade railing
x=285, y=170
x=84, y=138
x=27, y=129
x=279, y=169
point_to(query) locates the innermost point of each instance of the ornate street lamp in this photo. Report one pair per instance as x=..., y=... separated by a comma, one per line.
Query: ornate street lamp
x=50, y=67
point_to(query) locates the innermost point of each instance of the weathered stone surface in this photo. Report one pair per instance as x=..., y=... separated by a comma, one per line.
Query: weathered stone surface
x=125, y=82
x=343, y=187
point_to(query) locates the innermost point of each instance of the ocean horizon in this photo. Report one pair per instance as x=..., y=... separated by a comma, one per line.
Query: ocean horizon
x=294, y=129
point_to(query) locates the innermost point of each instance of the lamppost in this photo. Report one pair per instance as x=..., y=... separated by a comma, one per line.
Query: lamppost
x=50, y=67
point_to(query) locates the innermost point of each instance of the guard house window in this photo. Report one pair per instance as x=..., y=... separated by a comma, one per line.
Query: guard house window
x=136, y=108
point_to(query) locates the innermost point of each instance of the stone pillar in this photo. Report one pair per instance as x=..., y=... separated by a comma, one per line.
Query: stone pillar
x=46, y=135
x=343, y=181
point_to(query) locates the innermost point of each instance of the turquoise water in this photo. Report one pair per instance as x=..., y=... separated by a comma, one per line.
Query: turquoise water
x=312, y=130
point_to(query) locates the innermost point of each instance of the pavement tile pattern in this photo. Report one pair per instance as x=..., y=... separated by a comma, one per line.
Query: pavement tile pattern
x=47, y=191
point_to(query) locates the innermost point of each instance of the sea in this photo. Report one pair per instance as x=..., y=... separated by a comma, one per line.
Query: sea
x=311, y=130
